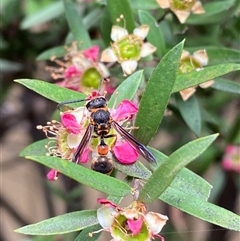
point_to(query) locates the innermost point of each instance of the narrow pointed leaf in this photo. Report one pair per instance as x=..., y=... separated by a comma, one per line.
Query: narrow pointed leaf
x=51, y=91
x=35, y=149
x=76, y=25
x=202, y=209
x=226, y=85
x=98, y=181
x=186, y=181
x=127, y=89
x=156, y=95
x=84, y=235
x=208, y=73
x=47, y=13
x=190, y=112
x=121, y=7
x=155, y=185
x=154, y=36
x=66, y=223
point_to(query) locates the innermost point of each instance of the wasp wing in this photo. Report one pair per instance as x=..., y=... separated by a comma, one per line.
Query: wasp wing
x=140, y=147
x=86, y=137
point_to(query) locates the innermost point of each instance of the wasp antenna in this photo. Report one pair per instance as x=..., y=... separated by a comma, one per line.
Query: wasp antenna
x=69, y=102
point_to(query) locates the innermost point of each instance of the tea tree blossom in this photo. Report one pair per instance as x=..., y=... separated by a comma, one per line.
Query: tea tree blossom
x=189, y=63
x=130, y=223
x=231, y=158
x=66, y=135
x=182, y=8
x=127, y=49
x=80, y=70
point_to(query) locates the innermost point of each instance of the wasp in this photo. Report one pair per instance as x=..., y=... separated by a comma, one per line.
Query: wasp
x=99, y=126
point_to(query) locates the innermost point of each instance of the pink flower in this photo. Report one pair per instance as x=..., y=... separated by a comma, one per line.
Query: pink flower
x=52, y=175
x=92, y=53
x=126, y=110
x=231, y=158
x=130, y=223
x=72, y=71
x=124, y=152
x=79, y=70
x=70, y=123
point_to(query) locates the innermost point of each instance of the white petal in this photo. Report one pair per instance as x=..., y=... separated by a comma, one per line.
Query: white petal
x=73, y=140
x=187, y=93
x=163, y=3
x=129, y=66
x=118, y=33
x=108, y=55
x=104, y=70
x=207, y=84
x=197, y=8
x=147, y=49
x=106, y=216
x=201, y=57
x=185, y=54
x=182, y=15
x=155, y=221
x=79, y=113
x=141, y=31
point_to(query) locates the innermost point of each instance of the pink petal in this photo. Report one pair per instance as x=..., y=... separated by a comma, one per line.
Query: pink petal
x=92, y=53
x=52, y=175
x=85, y=156
x=125, y=110
x=69, y=121
x=135, y=225
x=71, y=72
x=106, y=202
x=125, y=153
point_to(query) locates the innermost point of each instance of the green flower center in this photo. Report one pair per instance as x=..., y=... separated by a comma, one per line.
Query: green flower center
x=121, y=231
x=188, y=64
x=182, y=4
x=128, y=48
x=90, y=78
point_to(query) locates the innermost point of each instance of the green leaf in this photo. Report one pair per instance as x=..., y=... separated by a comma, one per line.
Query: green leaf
x=186, y=181
x=52, y=91
x=156, y=95
x=202, y=209
x=105, y=28
x=155, y=186
x=215, y=12
x=121, y=7
x=190, y=112
x=98, y=181
x=197, y=77
x=76, y=25
x=66, y=223
x=48, y=13
x=84, y=235
x=219, y=55
x=137, y=170
x=226, y=85
x=154, y=36
x=55, y=51
x=127, y=89
x=143, y=4
x=35, y=149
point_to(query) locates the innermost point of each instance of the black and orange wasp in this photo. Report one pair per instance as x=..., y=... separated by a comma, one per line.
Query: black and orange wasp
x=99, y=126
